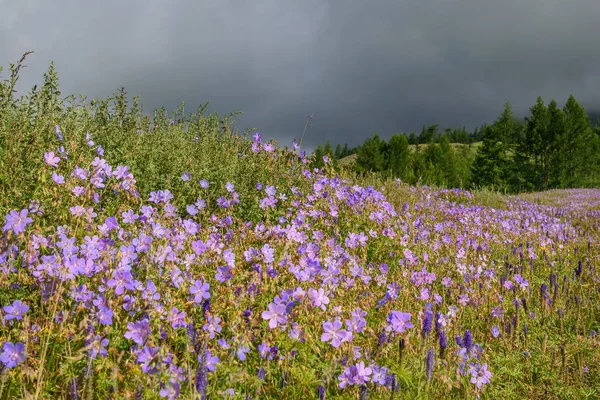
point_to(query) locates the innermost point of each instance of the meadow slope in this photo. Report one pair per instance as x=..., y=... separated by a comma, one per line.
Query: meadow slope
x=186, y=261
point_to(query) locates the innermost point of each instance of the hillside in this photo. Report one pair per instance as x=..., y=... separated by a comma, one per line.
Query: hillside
x=347, y=161
x=148, y=261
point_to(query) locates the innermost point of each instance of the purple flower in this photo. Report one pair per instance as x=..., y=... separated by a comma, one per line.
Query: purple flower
x=121, y=280
x=495, y=331
x=242, y=351
x=12, y=354
x=357, y=323
x=58, y=179
x=59, y=133
x=16, y=310
x=186, y=176
x=427, y=323
x=468, y=340
x=357, y=374
x=223, y=274
x=318, y=298
x=176, y=318
x=399, y=321
x=51, y=159
x=479, y=374
x=105, y=315
x=17, y=221
x=429, y=364
x=213, y=325
x=98, y=346
x=264, y=350
x=275, y=315
x=379, y=374
x=334, y=333
x=204, y=184
x=138, y=331
x=200, y=290
x=170, y=390
x=148, y=360
x=210, y=360
x=230, y=187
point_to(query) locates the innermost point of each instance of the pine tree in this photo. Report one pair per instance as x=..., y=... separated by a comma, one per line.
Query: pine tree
x=412, y=138
x=492, y=162
x=556, y=128
x=328, y=149
x=338, y=151
x=398, y=156
x=345, y=151
x=575, y=149
x=531, y=156
x=371, y=155
x=447, y=162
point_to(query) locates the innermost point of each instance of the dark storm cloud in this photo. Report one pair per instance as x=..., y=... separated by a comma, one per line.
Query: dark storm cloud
x=360, y=67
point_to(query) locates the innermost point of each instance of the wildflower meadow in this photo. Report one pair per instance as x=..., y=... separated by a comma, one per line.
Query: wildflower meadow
x=174, y=258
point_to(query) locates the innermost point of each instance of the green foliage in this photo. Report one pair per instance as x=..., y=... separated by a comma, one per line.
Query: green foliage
x=398, y=156
x=372, y=155
x=200, y=144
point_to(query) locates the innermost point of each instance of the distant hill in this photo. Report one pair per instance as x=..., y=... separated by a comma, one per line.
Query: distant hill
x=351, y=159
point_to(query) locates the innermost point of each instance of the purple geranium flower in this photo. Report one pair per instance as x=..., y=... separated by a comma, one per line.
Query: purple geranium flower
x=121, y=280
x=333, y=333
x=17, y=221
x=275, y=315
x=200, y=290
x=171, y=390
x=211, y=361
x=16, y=310
x=399, y=321
x=213, y=325
x=138, y=331
x=242, y=351
x=176, y=318
x=98, y=346
x=51, y=159
x=147, y=358
x=105, y=315
x=357, y=374
x=223, y=274
x=58, y=179
x=479, y=374
x=12, y=354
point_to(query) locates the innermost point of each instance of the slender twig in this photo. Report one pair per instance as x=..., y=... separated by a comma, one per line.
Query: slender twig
x=305, y=127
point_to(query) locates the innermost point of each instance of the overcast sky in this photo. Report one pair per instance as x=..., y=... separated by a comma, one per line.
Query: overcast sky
x=358, y=66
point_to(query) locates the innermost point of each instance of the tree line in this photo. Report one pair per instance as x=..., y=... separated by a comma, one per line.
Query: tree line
x=553, y=147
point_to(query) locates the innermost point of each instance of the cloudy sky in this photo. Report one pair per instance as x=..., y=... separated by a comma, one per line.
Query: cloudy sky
x=359, y=66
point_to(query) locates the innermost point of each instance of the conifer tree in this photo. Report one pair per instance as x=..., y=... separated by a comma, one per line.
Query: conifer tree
x=338, y=151
x=398, y=156
x=371, y=155
x=492, y=162
x=575, y=150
